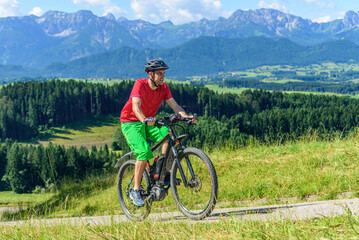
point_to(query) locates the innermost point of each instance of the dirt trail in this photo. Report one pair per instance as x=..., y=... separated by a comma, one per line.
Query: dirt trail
x=275, y=212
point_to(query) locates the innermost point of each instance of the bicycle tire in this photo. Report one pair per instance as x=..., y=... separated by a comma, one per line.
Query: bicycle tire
x=192, y=200
x=124, y=186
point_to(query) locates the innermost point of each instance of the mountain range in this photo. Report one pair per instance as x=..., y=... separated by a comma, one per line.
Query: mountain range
x=200, y=56
x=57, y=37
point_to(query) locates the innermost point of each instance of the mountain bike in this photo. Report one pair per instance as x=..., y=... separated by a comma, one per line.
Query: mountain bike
x=193, y=179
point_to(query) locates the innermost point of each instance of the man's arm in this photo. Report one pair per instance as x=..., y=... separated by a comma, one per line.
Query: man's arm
x=136, y=108
x=179, y=110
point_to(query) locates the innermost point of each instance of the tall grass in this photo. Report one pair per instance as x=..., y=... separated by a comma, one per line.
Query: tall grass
x=256, y=174
x=299, y=169
x=343, y=227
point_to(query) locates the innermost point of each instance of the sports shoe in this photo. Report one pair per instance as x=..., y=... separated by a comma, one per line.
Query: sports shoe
x=136, y=197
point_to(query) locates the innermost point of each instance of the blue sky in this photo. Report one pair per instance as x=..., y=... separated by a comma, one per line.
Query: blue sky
x=181, y=11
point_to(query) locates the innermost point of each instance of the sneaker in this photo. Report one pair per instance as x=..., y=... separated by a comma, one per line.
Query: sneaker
x=136, y=197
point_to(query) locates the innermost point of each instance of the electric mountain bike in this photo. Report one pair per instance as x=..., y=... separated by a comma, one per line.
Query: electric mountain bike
x=193, y=179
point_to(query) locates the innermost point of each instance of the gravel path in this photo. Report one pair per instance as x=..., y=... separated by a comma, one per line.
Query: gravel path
x=275, y=212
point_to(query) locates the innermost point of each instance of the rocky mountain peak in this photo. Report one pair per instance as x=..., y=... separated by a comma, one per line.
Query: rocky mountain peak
x=110, y=17
x=62, y=24
x=166, y=23
x=351, y=19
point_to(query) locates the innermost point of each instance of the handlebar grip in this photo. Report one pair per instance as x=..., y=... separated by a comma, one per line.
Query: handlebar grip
x=174, y=117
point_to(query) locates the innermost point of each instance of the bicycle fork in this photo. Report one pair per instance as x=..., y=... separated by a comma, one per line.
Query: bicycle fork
x=191, y=183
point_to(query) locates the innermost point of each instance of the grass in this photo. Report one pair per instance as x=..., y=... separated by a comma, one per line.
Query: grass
x=258, y=174
x=9, y=198
x=92, y=131
x=218, y=89
x=344, y=227
x=282, y=81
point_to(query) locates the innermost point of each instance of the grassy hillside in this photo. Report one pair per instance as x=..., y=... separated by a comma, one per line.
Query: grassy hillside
x=301, y=171
x=305, y=170
x=294, y=172
x=96, y=131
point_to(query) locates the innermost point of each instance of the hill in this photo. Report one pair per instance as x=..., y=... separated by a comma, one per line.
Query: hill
x=206, y=55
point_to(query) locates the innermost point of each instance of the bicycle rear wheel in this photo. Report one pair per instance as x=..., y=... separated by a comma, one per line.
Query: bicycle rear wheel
x=125, y=182
x=198, y=199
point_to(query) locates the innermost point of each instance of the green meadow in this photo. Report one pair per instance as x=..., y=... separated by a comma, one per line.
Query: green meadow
x=96, y=131
x=259, y=174
x=344, y=227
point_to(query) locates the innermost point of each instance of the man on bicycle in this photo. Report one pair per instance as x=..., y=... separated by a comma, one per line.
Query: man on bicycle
x=138, y=118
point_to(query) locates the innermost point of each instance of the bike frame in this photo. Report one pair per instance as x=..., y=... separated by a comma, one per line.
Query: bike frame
x=173, y=142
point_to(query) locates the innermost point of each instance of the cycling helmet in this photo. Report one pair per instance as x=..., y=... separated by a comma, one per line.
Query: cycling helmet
x=155, y=64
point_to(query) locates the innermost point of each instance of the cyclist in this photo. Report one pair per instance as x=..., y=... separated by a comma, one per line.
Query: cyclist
x=138, y=118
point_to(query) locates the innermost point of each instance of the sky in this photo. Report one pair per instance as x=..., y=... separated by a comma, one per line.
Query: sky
x=181, y=11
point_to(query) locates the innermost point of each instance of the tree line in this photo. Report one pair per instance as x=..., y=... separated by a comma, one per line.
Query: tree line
x=224, y=119
x=24, y=107
x=25, y=168
x=274, y=117
x=27, y=107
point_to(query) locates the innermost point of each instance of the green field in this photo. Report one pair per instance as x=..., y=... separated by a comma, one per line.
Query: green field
x=268, y=174
x=282, y=81
x=218, y=89
x=259, y=174
x=307, y=170
x=266, y=72
x=345, y=227
x=96, y=131
x=9, y=198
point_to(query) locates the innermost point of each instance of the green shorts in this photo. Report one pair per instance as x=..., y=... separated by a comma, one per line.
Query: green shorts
x=136, y=134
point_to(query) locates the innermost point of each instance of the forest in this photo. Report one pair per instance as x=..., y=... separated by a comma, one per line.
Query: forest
x=27, y=108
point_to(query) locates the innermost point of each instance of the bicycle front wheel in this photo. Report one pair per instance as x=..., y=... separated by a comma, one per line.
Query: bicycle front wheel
x=125, y=182
x=197, y=199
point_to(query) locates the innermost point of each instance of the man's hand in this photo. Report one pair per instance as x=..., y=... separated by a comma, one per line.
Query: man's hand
x=149, y=121
x=194, y=119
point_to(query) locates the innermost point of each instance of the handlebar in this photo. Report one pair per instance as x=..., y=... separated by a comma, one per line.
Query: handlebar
x=171, y=120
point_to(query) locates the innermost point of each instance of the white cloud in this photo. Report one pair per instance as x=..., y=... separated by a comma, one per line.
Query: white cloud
x=37, y=11
x=91, y=2
x=9, y=8
x=320, y=3
x=178, y=11
x=114, y=9
x=106, y=5
x=275, y=4
x=331, y=5
x=323, y=19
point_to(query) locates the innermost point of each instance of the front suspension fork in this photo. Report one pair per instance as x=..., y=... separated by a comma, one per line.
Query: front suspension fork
x=180, y=168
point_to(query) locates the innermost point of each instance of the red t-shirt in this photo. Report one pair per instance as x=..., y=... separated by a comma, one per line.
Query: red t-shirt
x=150, y=100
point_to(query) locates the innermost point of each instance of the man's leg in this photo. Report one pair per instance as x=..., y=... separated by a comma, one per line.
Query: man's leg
x=135, y=135
x=139, y=169
x=164, y=148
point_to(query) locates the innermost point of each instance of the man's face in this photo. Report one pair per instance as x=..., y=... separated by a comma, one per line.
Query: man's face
x=158, y=77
